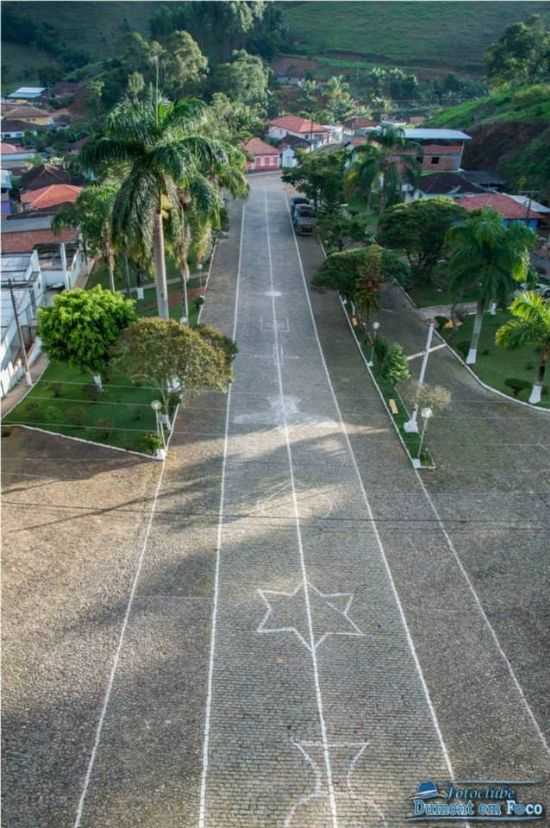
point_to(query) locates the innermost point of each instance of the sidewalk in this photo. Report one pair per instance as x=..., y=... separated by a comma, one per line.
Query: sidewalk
x=16, y=394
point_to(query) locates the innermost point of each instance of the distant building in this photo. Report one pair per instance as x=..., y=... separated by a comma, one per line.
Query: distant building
x=30, y=114
x=262, y=157
x=23, y=272
x=6, y=185
x=488, y=179
x=27, y=93
x=506, y=206
x=304, y=128
x=16, y=159
x=443, y=184
x=50, y=197
x=437, y=149
x=44, y=175
x=60, y=255
x=15, y=128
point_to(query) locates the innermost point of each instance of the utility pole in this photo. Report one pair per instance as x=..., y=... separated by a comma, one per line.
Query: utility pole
x=28, y=378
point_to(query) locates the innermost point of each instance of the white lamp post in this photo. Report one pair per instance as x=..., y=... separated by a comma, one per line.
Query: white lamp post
x=375, y=329
x=412, y=424
x=425, y=413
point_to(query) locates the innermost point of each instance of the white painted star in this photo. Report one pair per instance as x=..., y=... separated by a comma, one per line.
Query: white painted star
x=290, y=612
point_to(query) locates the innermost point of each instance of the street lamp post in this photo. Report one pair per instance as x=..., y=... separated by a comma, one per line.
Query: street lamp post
x=425, y=413
x=375, y=328
x=412, y=425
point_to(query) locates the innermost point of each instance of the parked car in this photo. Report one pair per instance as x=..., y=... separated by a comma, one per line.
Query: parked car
x=296, y=202
x=304, y=219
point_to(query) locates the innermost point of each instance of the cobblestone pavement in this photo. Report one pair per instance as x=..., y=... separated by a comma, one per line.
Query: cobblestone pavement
x=315, y=628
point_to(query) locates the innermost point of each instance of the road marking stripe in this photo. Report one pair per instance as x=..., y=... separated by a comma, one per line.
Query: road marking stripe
x=471, y=587
x=118, y=651
x=206, y=737
x=369, y=509
x=324, y=738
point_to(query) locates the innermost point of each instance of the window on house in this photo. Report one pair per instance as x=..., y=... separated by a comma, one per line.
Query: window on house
x=435, y=159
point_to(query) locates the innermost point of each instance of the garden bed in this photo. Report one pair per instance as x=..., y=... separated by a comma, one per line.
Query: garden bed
x=65, y=401
x=496, y=365
x=409, y=440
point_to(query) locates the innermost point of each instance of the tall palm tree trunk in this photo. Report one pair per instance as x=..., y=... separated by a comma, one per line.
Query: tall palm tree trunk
x=184, y=271
x=478, y=321
x=160, y=268
x=536, y=390
x=111, y=266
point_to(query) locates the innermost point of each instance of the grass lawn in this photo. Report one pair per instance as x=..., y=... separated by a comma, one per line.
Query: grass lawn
x=64, y=402
x=451, y=35
x=495, y=365
x=427, y=295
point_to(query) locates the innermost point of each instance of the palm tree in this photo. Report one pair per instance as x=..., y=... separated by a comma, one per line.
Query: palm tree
x=381, y=165
x=367, y=291
x=488, y=257
x=163, y=148
x=531, y=326
x=92, y=212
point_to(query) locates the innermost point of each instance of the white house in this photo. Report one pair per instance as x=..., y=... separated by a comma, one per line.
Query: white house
x=23, y=273
x=60, y=255
x=305, y=128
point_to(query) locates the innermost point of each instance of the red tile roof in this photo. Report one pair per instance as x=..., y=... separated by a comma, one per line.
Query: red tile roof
x=258, y=147
x=501, y=204
x=6, y=149
x=51, y=196
x=26, y=241
x=296, y=124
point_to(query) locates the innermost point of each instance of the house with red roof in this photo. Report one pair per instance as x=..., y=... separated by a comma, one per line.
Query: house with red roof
x=305, y=128
x=48, y=199
x=506, y=206
x=262, y=157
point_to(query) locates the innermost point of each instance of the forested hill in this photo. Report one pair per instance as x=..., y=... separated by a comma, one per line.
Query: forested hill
x=448, y=37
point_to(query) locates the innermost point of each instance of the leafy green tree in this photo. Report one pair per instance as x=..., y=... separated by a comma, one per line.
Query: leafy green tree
x=344, y=271
x=339, y=227
x=394, y=367
x=487, y=257
x=521, y=55
x=92, y=212
x=379, y=168
x=245, y=79
x=220, y=28
x=136, y=84
x=338, y=101
x=231, y=121
x=82, y=326
x=320, y=177
x=183, y=65
x=530, y=326
x=369, y=283
x=163, y=148
x=419, y=229
x=172, y=357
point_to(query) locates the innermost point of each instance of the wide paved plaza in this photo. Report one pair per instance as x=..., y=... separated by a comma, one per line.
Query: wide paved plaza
x=285, y=624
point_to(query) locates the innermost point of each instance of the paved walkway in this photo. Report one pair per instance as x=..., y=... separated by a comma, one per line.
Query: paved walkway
x=313, y=627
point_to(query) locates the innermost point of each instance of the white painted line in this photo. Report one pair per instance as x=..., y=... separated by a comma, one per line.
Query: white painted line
x=118, y=650
x=370, y=512
x=471, y=587
x=467, y=578
x=324, y=737
x=206, y=738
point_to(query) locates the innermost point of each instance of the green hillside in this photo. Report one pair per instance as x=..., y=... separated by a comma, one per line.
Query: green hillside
x=452, y=36
x=510, y=131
